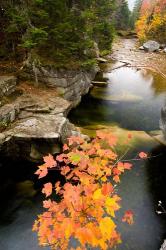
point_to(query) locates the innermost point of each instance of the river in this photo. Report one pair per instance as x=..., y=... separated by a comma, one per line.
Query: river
x=130, y=102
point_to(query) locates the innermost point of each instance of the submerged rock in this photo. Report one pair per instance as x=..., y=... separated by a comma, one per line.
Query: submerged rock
x=137, y=137
x=151, y=46
x=98, y=93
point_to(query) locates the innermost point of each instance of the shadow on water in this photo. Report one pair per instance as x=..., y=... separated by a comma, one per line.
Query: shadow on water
x=21, y=202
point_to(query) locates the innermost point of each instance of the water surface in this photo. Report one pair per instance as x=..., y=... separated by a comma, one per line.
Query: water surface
x=132, y=100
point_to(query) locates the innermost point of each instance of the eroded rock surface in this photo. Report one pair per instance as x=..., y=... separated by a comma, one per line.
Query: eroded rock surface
x=41, y=126
x=70, y=84
x=7, y=85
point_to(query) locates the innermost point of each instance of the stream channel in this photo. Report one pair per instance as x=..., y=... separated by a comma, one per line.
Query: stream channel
x=130, y=103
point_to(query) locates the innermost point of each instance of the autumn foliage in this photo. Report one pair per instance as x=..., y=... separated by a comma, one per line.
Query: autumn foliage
x=88, y=201
x=152, y=20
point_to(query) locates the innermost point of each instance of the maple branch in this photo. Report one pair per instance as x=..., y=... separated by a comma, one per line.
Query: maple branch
x=127, y=150
x=139, y=159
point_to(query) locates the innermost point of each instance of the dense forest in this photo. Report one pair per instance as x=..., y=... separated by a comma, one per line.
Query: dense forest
x=62, y=30
x=66, y=30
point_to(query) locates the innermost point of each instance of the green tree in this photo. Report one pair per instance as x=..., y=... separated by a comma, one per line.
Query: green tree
x=122, y=15
x=61, y=30
x=135, y=13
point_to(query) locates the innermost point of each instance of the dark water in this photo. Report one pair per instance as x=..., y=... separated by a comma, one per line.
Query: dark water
x=132, y=100
x=20, y=203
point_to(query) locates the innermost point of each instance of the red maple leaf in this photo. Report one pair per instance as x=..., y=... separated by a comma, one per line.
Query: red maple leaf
x=143, y=155
x=128, y=217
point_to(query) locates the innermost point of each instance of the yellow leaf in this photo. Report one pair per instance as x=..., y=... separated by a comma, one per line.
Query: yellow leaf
x=97, y=194
x=68, y=230
x=111, y=206
x=107, y=226
x=104, y=178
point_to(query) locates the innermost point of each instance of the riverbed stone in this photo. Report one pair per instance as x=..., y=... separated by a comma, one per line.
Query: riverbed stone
x=151, y=46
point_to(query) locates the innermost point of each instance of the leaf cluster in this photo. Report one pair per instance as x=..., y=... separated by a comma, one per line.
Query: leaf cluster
x=88, y=199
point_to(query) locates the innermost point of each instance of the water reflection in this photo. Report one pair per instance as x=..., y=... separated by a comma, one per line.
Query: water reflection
x=132, y=99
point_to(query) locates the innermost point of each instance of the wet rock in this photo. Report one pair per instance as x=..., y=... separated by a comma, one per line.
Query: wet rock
x=164, y=50
x=163, y=247
x=7, y=85
x=151, y=46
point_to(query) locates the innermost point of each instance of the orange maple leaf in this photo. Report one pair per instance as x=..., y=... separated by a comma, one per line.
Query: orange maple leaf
x=49, y=161
x=116, y=178
x=107, y=188
x=65, y=170
x=42, y=171
x=47, y=190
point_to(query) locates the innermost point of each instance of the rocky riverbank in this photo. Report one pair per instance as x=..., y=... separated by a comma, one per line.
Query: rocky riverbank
x=35, y=122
